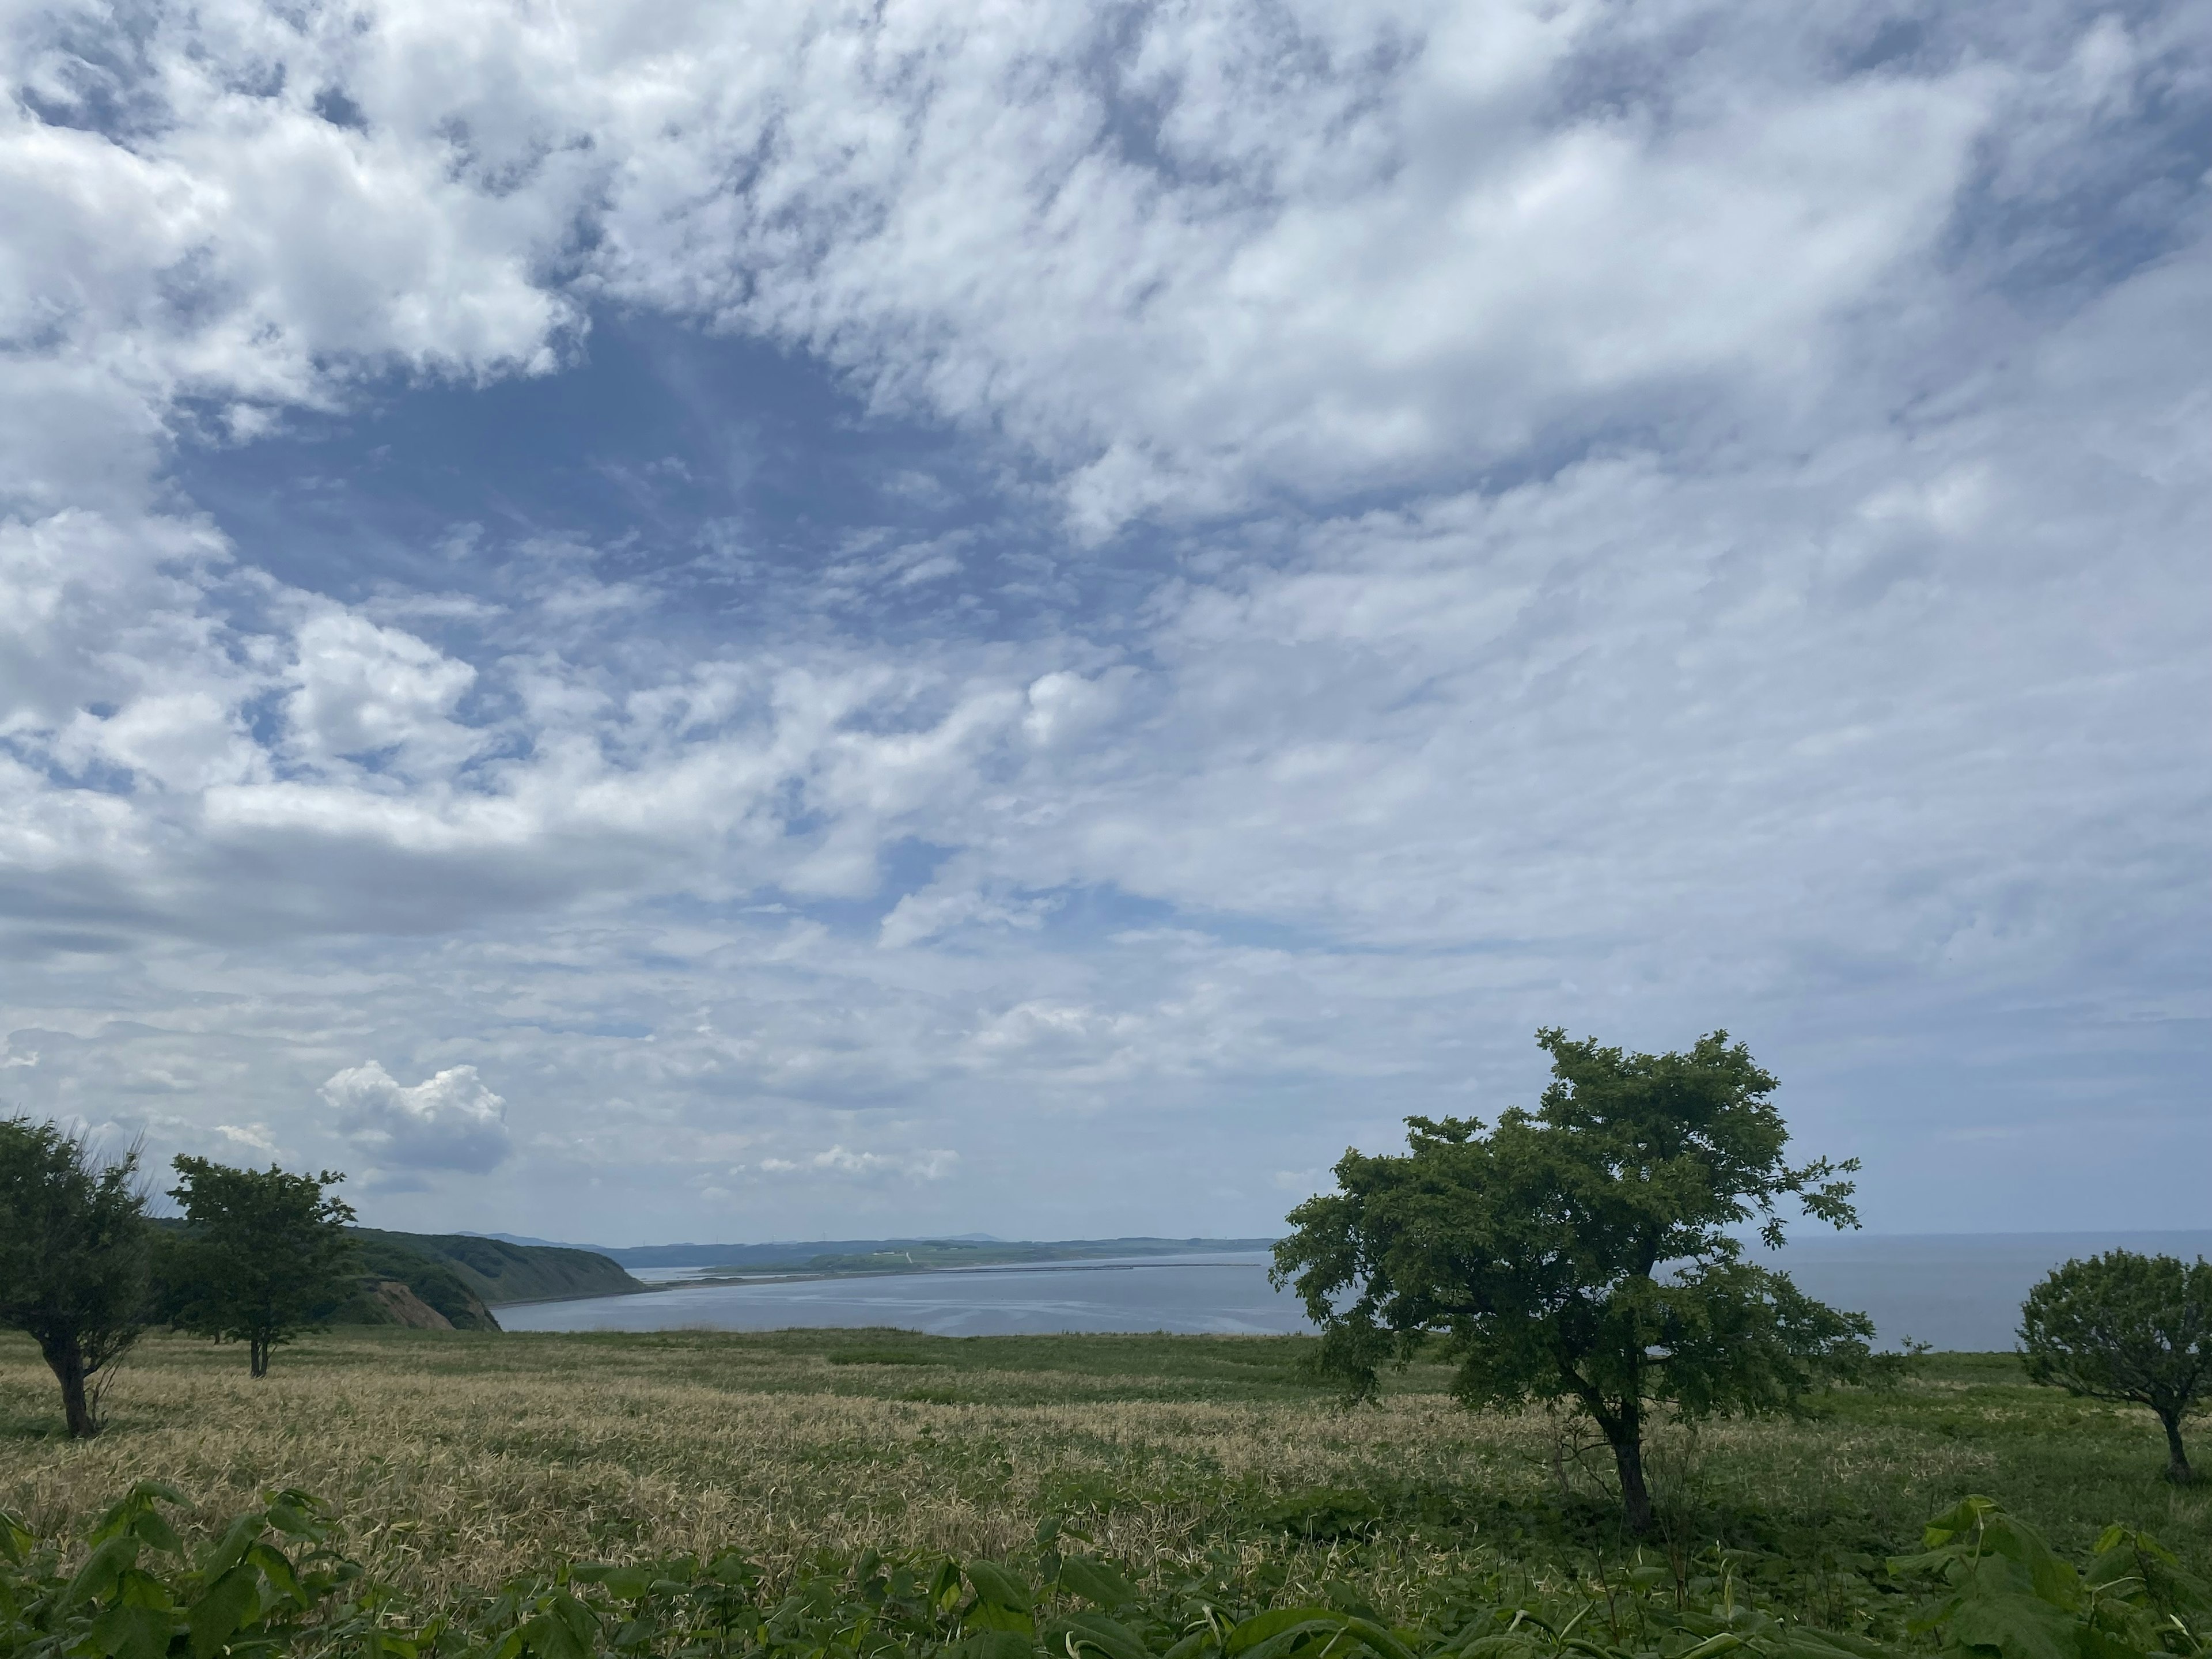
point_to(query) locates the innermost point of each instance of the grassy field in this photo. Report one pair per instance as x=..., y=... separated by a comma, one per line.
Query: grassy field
x=457, y=1459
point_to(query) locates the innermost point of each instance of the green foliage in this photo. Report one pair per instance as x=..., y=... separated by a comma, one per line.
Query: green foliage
x=137, y=1593
x=1535, y=1249
x=262, y=1256
x=2127, y=1327
x=495, y=1271
x=276, y=1584
x=432, y=1281
x=73, y=1257
x=2001, y=1593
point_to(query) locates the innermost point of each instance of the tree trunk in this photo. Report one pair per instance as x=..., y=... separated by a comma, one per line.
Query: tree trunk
x=66, y=1357
x=257, y=1356
x=2176, y=1460
x=1635, y=1497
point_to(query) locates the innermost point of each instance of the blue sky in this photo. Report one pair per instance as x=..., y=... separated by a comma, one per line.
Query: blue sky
x=650, y=621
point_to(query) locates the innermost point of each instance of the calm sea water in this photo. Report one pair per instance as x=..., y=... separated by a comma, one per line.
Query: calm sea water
x=1956, y=1291
x=1224, y=1294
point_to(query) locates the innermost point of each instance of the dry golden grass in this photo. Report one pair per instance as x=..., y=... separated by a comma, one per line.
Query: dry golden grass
x=448, y=1475
x=458, y=1461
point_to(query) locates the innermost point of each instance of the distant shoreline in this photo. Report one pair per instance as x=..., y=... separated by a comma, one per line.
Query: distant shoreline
x=707, y=1279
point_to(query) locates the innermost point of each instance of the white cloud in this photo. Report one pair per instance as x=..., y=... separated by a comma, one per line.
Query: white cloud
x=451, y=1121
x=1666, y=521
x=843, y=1161
x=363, y=690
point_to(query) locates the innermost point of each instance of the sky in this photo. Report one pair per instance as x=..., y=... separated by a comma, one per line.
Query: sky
x=637, y=620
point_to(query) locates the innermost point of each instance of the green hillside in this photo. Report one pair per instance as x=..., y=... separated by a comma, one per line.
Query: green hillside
x=393, y=1258
x=494, y=1270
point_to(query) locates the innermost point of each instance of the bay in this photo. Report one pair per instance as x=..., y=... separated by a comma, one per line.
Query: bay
x=1954, y=1290
x=1219, y=1295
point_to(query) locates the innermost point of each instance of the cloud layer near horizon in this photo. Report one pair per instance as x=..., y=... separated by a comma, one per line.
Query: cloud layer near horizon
x=1430, y=521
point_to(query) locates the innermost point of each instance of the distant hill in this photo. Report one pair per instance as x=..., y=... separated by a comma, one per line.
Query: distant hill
x=894, y=1254
x=497, y=1271
x=457, y=1279
x=403, y=1285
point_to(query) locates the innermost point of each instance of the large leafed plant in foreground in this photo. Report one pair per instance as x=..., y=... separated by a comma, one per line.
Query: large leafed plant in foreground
x=1582, y=1253
x=276, y=1584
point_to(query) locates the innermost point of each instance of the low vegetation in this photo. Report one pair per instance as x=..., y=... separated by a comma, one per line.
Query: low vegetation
x=1208, y=1472
x=457, y=1458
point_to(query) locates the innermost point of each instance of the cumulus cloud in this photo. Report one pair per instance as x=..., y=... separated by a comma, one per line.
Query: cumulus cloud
x=450, y=1120
x=363, y=690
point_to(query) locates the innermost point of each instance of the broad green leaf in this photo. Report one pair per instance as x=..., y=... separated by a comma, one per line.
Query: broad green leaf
x=944, y=1586
x=288, y=1516
x=1507, y=1645
x=2018, y=1626
x=1382, y=1641
x=230, y=1549
x=1959, y=1521
x=132, y=1632
x=1261, y=1625
x=1095, y=1629
x=1096, y=1582
x=996, y=1645
x=550, y=1638
x=1325, y=1624
x=153, y=1528
x=101, y=1570
x=229, y=1602
x=276, y=1569
x=995, y=1585
x=628, y=1584
x=985, y=1615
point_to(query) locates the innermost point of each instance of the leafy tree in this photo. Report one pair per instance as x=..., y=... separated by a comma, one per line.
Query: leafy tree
x=263, y=1257
x=2126, y=1328
x=73, y=1250
x=1580, y=1253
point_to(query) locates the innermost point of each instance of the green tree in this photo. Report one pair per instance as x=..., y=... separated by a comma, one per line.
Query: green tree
x=2126, y=1328
x=263, y=1255
x=1580, y=1253
x=73, y=1251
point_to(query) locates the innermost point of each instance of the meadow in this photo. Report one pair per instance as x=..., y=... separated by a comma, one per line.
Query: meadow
x=457, y=1460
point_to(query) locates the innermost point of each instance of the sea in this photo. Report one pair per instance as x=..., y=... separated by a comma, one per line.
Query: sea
x=1953, y=1290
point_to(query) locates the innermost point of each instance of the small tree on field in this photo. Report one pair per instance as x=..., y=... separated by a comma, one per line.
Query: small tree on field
x=73, y=1250
x=1536, y=1249
x=263, y=1257
x=2126, y=1328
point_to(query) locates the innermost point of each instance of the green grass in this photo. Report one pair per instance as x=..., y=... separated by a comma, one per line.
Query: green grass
x=457, y=1458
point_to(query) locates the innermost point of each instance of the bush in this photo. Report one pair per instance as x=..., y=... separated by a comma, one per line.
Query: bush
x=276, y=1584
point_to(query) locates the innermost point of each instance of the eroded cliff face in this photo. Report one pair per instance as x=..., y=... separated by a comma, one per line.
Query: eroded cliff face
x=404, y=1307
